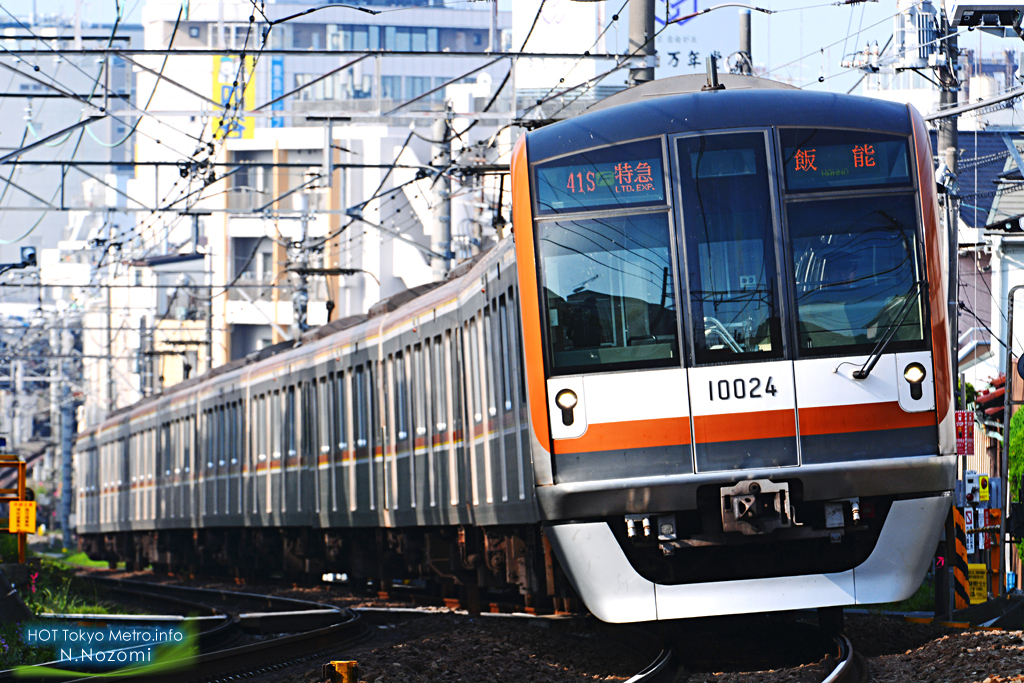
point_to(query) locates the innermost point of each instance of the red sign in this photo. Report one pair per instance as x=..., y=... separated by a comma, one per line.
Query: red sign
x=964, y=432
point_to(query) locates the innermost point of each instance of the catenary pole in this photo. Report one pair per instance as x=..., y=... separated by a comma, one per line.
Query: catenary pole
x=641, y=38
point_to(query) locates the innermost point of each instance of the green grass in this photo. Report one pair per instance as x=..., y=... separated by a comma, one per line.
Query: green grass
x=923, y=600
x=78, y=560
x=57, y=590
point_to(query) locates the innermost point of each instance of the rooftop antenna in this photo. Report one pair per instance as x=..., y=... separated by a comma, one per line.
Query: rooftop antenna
x=713, y=83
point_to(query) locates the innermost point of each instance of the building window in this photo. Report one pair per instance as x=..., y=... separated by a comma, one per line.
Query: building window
x=345, y=37
x=193, y=31
x=416, y=86
x=410, y=39
x=390, y=87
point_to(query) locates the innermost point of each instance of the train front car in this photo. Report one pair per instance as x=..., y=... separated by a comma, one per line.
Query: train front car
x=736, y=351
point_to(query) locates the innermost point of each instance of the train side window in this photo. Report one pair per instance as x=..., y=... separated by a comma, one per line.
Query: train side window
x=417, y=394
x=457, y=367
x=488, y=359
x=609, y=293
x=440, y=388
x=340, y=423
x=236, y=423
x=372, y=435
x=473, y=366
x=325, y=420
x=260, y=419
x=729, y=232
x=361, y=405
x=226, y=429
x=275, y=425
x=503, y=351
x=401, y=399
x=290, y=440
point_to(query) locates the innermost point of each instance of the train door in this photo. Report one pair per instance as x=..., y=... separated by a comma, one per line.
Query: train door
x=742, y=395
x=363, y=493
x=310, y=473
x=220, y=464
x=207, y=434
x=326, y=498
x=261, y=456
x=276, y=416
x=402, y=491
x=388, y=457
x=337, y=385
x=421, y=473
x=459, y=432
x=517, y=387
x=495, y=398
x=441, y=423
x=232, y=488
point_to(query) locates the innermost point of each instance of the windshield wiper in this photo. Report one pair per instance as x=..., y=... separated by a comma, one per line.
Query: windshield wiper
x=890, y=332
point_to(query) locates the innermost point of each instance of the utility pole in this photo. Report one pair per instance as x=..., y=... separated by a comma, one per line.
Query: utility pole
x=19, y=385
x=745, y=60
x=300, y=256
x=441, y=157
x=641, y=39
x=111, y=396
x=947, y=141
x=67, y=437
x=495, y=37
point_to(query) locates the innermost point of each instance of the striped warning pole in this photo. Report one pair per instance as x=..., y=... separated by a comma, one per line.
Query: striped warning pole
x=961, y=592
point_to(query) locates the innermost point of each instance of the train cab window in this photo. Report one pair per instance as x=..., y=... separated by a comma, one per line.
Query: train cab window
x=729, y=233
x=856, y=269
x=609, y=291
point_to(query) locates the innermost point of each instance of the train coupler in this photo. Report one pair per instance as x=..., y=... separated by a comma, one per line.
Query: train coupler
x=757, y=506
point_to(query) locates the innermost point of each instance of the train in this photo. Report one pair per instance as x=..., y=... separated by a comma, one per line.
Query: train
x=707, y=373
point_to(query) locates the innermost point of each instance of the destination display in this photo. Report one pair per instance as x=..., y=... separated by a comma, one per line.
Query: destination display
x=823, y=160
x=607, y=178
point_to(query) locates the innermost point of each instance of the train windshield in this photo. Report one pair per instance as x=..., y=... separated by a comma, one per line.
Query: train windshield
x=608, y=287
x=730, y=247
x=856, y=270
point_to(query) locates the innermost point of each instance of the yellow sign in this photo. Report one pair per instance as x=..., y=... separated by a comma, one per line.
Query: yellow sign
x=23, y=517
x=229, y=81
x=978, y=581
x=983, y=487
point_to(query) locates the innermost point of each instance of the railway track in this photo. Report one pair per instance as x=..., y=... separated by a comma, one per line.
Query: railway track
x=311, y=633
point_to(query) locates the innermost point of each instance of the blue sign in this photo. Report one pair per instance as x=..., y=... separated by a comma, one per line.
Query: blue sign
x=277, y=89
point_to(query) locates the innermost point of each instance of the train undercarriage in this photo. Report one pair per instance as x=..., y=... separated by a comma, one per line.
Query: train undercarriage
x=510, y=565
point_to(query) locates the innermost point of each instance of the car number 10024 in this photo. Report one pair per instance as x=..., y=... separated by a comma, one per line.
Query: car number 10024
x=723, y=389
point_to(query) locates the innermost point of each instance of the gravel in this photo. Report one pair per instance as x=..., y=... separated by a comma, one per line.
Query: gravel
x=460, y=649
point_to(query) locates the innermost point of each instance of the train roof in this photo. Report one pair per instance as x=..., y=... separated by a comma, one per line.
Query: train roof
x=382, y=307
x=677, y=105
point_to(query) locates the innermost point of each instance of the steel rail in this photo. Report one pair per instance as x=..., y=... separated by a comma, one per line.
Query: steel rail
x=846, y=671
x=663, y=669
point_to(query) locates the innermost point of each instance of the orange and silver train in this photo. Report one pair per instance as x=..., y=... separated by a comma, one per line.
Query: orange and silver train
x=709, y=373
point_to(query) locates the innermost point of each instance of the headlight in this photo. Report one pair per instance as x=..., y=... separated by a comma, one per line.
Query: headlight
x=566, y=399
x=914, y=373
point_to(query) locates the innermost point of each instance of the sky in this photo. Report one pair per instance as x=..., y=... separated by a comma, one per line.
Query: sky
x=801, y=42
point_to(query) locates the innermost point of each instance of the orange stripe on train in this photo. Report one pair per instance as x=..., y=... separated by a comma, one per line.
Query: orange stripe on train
x=767, y=424
x=610, y=436
x=861, y=418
